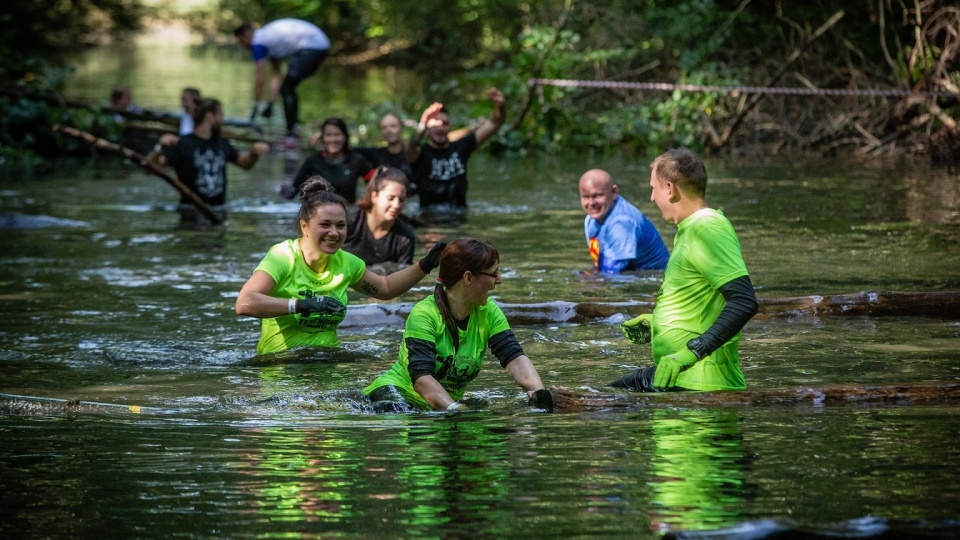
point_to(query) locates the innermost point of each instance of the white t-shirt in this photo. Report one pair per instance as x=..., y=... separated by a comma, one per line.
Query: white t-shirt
x=283, y=37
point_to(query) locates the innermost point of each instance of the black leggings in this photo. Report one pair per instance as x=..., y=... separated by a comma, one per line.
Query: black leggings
x=387, y=399
x=300, y=66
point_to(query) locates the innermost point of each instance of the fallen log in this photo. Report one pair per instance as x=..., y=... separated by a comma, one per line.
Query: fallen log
x=865, y=304
x=818, y=396
x=148, y=166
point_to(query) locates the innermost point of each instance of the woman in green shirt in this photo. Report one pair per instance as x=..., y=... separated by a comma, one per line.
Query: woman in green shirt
x=447, y=333
x=299, y=289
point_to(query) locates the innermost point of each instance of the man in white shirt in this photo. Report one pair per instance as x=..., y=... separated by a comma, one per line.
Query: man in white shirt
x=301, y=44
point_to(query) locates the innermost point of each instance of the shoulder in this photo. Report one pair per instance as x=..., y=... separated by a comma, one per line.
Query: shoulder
x=350, y=265
x=401, y=228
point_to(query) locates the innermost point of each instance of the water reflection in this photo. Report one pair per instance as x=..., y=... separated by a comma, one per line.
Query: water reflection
x=697, y=465
x=934, y=196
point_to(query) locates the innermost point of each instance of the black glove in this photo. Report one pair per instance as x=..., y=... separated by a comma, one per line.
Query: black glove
x=287, y=191
x=432, y=260
x=638, y=381
x=541, y=399
x=267, y=111
x=319, y=304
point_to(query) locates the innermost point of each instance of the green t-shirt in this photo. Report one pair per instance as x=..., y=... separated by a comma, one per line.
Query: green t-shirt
x=706, y=255
x=453, y=369
x=284, y=263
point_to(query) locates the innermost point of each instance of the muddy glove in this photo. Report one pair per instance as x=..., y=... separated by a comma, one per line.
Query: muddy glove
x=637, y=330
x=257, y=105
x=287, y=191
x=670, y=366
x=319, y=304
x=432, y=260
x=541, y=399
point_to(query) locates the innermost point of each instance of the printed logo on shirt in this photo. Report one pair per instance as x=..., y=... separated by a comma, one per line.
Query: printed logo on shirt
x=447, y=169
x=595, y=251
x=210, y=166
x=455, y=372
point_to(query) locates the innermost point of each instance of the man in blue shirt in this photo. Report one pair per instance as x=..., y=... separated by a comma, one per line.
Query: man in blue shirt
x=619, y=236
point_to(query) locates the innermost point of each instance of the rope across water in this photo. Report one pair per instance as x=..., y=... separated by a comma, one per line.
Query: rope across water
x=670, y=87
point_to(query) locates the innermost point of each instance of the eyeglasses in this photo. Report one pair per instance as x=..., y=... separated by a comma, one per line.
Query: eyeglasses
x=494, y=276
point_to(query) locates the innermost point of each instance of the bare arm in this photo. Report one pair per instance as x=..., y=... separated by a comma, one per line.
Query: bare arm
x=156, y=156
x=248, y=159
x=390, y=286
x=276, y=79
x=522, y=371
x=259, y=75
x=255, y=300
x=488, y=128
x=432, y=392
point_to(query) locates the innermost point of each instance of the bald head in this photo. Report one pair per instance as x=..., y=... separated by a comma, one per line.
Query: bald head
x=597, y=193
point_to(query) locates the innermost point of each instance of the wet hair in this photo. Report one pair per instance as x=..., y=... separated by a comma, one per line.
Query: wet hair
x=342, y=126
x=393, y=114
x=119, y=92
x=204, y=107
x=242, y=29
x=684, y=169
x=461, y=255
x=381, y=176
x=315, y=192
x=193, y=93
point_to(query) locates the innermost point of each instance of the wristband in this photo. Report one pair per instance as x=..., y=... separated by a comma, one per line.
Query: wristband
x=158, y=148
x=292, y=306
x=454, y=406
x=421, y=127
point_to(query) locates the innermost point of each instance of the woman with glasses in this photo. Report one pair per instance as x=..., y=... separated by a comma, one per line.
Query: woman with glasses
x=447, y=333
x=375, y=232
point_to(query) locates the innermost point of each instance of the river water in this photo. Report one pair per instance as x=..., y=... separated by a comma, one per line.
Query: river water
x=105, y=299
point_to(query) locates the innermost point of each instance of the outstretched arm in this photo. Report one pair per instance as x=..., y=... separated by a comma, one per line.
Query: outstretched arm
x=488, y=128
x=247, y=159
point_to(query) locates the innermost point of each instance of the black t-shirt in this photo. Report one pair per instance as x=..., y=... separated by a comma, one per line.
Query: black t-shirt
x=380, y=155
x=396, y=246
x=201, y=164
x=342, y=176
x=441, y=173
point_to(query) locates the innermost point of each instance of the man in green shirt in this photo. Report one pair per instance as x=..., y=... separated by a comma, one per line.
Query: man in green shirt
x=706, y=297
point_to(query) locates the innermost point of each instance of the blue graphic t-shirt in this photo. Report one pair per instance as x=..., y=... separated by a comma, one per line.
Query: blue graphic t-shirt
x=626, y=240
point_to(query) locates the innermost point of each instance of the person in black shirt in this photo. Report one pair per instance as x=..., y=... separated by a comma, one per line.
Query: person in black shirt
x=375, y=232
x=200, y=160
x=439, y=165
x=336, y=162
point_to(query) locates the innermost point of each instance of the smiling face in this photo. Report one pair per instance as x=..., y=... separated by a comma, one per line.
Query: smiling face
x=597, y=194
x=326, y=229
x=333, y=139
x=390, y=129
x=389, y=201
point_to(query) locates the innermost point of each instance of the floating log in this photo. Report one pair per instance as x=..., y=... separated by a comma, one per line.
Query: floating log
x=829, y=395
x=944, y=304
x=162, y=129
x=870, y=304
x=16, y=404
